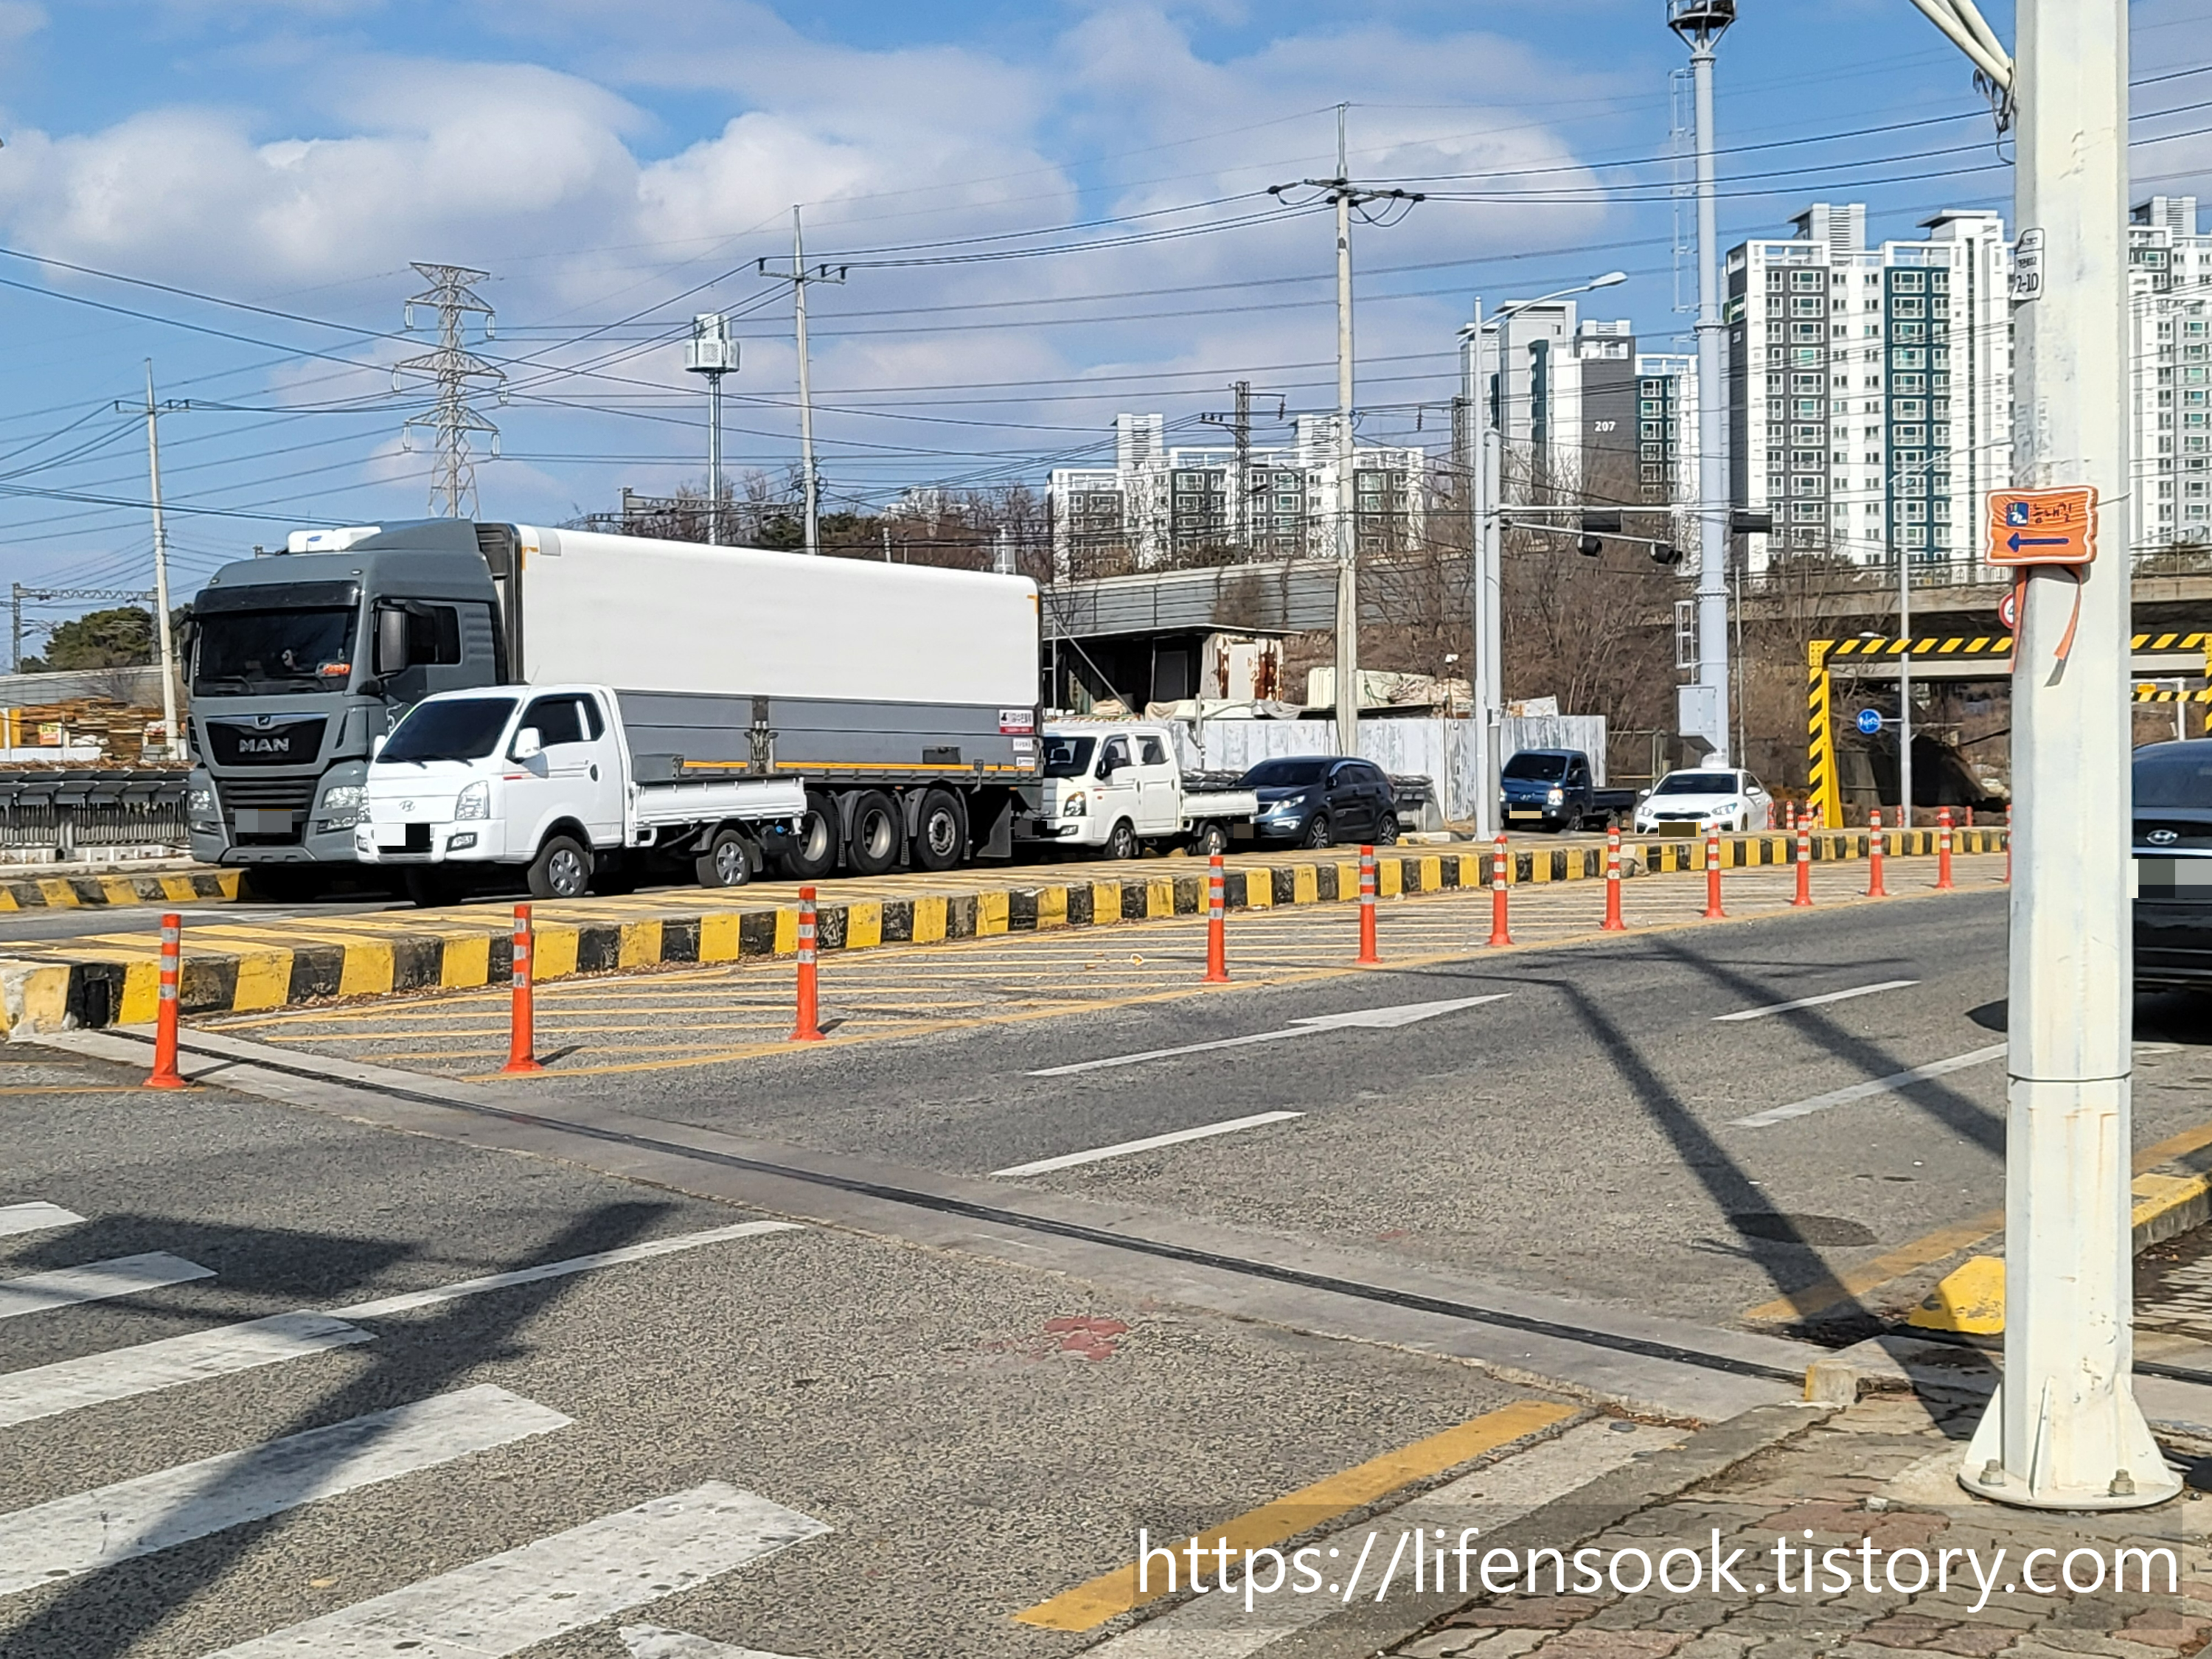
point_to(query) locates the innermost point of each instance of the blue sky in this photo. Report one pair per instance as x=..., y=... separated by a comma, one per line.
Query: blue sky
x=616, y=168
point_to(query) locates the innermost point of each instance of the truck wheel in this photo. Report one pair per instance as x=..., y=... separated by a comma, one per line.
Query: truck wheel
x=1120, y=842
x=1318, y=832
x=941, y=831
x=1386, y=833
x=1211, y=838
x=812, y=853
x=878, y=834
x=726, y=863
x=562, y=870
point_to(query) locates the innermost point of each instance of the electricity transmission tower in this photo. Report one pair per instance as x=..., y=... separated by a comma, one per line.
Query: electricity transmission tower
x=1240, y=426
x=455, y=369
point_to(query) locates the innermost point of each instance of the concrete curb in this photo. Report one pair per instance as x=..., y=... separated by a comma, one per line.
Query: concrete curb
x=272, y=967
x=152, y=887
x=1562, y=1524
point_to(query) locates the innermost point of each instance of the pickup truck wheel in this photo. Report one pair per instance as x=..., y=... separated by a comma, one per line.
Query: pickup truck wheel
x=726, y=863
x=1318, y=832
x=1386, y=833
x=562, y=870
x=879, y=833
x=1120, y=842
x=941, y=831
x=811, y=852
x=1211, y=838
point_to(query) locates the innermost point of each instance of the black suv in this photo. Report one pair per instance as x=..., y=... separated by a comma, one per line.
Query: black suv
x=1313, y=800
x=2173, y=864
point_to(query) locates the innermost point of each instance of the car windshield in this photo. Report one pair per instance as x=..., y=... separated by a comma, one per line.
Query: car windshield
x=2174, y=776
x=1283, y=774
x=1537, y=768
x=1068, y=758
x=1697, y=783
x=467, y=728
x=246, y=651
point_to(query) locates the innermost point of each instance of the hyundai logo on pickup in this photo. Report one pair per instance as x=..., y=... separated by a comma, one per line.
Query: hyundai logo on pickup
x=2163, y=837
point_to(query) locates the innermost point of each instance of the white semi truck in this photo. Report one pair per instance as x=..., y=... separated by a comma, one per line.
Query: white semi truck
x=903, y=698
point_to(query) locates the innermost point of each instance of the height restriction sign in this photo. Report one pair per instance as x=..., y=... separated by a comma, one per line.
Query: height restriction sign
x=2042, y=526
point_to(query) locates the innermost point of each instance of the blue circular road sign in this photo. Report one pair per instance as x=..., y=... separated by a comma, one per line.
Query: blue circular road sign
x=1869, y=721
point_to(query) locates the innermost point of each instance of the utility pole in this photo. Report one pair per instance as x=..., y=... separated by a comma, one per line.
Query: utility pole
x=799, y=276
x=455, y=368
x=713, y=354
x=1905, y=684
x=172, y=738
x=1346, y=198
x=1703, y=709
x=2064, y=1431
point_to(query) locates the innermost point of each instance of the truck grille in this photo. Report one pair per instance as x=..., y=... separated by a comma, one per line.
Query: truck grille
x=284, y=743
x=265, y=796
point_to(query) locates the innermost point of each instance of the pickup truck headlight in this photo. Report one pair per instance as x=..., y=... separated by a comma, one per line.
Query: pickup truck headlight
x=473, y=802
x=1555, y=797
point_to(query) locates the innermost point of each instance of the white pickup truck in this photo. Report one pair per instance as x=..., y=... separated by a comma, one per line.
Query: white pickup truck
x=1116, y=789
x=540, y=779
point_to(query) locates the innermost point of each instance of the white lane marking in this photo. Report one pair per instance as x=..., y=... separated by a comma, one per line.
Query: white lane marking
x=1366, y=1019
x=89, y=1530
x=384, y=1306
x=1816, y=1002
x=67, y=1385
x=96, y=1281
x=1123, y=1148
x=70, y=1385
x=34, y=1218
x=651, y=1642
x=507, y=1602
x=1880, y=1085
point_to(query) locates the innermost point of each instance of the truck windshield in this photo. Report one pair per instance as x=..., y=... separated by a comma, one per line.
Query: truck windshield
x=1283, y=774
x=247, y=651
x=467, y=728
x=1068, y=758
x=1537, y=768
x=2180, y=775
x=1697, y=783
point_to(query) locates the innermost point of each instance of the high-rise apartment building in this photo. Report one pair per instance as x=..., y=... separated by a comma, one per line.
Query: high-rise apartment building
x=1666, y=428
x=1870, y=388
x=1275, y=501
x=2170, y=335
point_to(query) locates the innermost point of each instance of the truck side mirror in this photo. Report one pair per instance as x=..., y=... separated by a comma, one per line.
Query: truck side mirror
x=392, y=638
x=528, y=745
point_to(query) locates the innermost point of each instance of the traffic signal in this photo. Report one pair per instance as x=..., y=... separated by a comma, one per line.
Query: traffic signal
x=1594, y=521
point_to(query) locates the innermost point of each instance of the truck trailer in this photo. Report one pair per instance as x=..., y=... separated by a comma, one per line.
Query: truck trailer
x=904, y=697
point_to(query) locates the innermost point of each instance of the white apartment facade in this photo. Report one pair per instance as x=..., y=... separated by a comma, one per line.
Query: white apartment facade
x=1870, y=388
x=1275, y=501
x=2170, y=337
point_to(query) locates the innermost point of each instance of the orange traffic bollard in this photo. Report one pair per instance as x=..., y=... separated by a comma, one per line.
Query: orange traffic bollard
x=1499, y=934
x=165, y=1074
x=1875, y=840
x=1713, y=911
x=808, y=1028
x=1943, y=881
x=1804, y=899
x=522, y=1023
x=1614, y=924
x=1216, y=934
x=1368, y=956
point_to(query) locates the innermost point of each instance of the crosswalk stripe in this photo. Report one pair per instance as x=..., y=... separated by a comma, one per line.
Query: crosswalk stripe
x=130, y=1518
x=507, y=1602
x=68, y=1385
x=384, y=1306
x=96, y=1281
x=34, y=1218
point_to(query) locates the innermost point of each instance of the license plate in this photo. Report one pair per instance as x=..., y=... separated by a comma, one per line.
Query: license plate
x=392, y=835
x=1518, y=812
x=264, y=821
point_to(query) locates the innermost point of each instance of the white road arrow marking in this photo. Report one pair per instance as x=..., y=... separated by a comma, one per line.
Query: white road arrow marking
x=1880, y=1085
x=1368, y=1019
x=651, y=1642
x=1123, y=1148
x=1816, y=1002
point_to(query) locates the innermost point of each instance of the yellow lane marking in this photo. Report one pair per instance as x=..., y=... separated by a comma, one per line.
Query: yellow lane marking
x=1089, y=1606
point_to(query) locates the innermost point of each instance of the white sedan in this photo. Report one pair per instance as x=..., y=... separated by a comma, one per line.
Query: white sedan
x=1683, y=803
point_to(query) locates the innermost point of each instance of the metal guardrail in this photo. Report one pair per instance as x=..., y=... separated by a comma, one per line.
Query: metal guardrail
x=68, y=810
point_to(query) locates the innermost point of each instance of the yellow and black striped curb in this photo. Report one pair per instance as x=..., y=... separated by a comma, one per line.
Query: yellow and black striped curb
x=255, y=966
x=155, y=887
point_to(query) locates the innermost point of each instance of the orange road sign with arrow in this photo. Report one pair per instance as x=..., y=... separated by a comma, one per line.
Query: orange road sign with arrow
x=2042, y=526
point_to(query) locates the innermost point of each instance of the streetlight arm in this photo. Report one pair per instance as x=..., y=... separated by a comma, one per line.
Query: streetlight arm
x=1970, y=32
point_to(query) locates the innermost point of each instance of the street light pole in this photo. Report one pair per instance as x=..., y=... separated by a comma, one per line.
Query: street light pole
x=2063, y=1432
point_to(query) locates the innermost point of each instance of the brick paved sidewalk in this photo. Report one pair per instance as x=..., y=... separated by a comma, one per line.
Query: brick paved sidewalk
x=1879, y=1470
